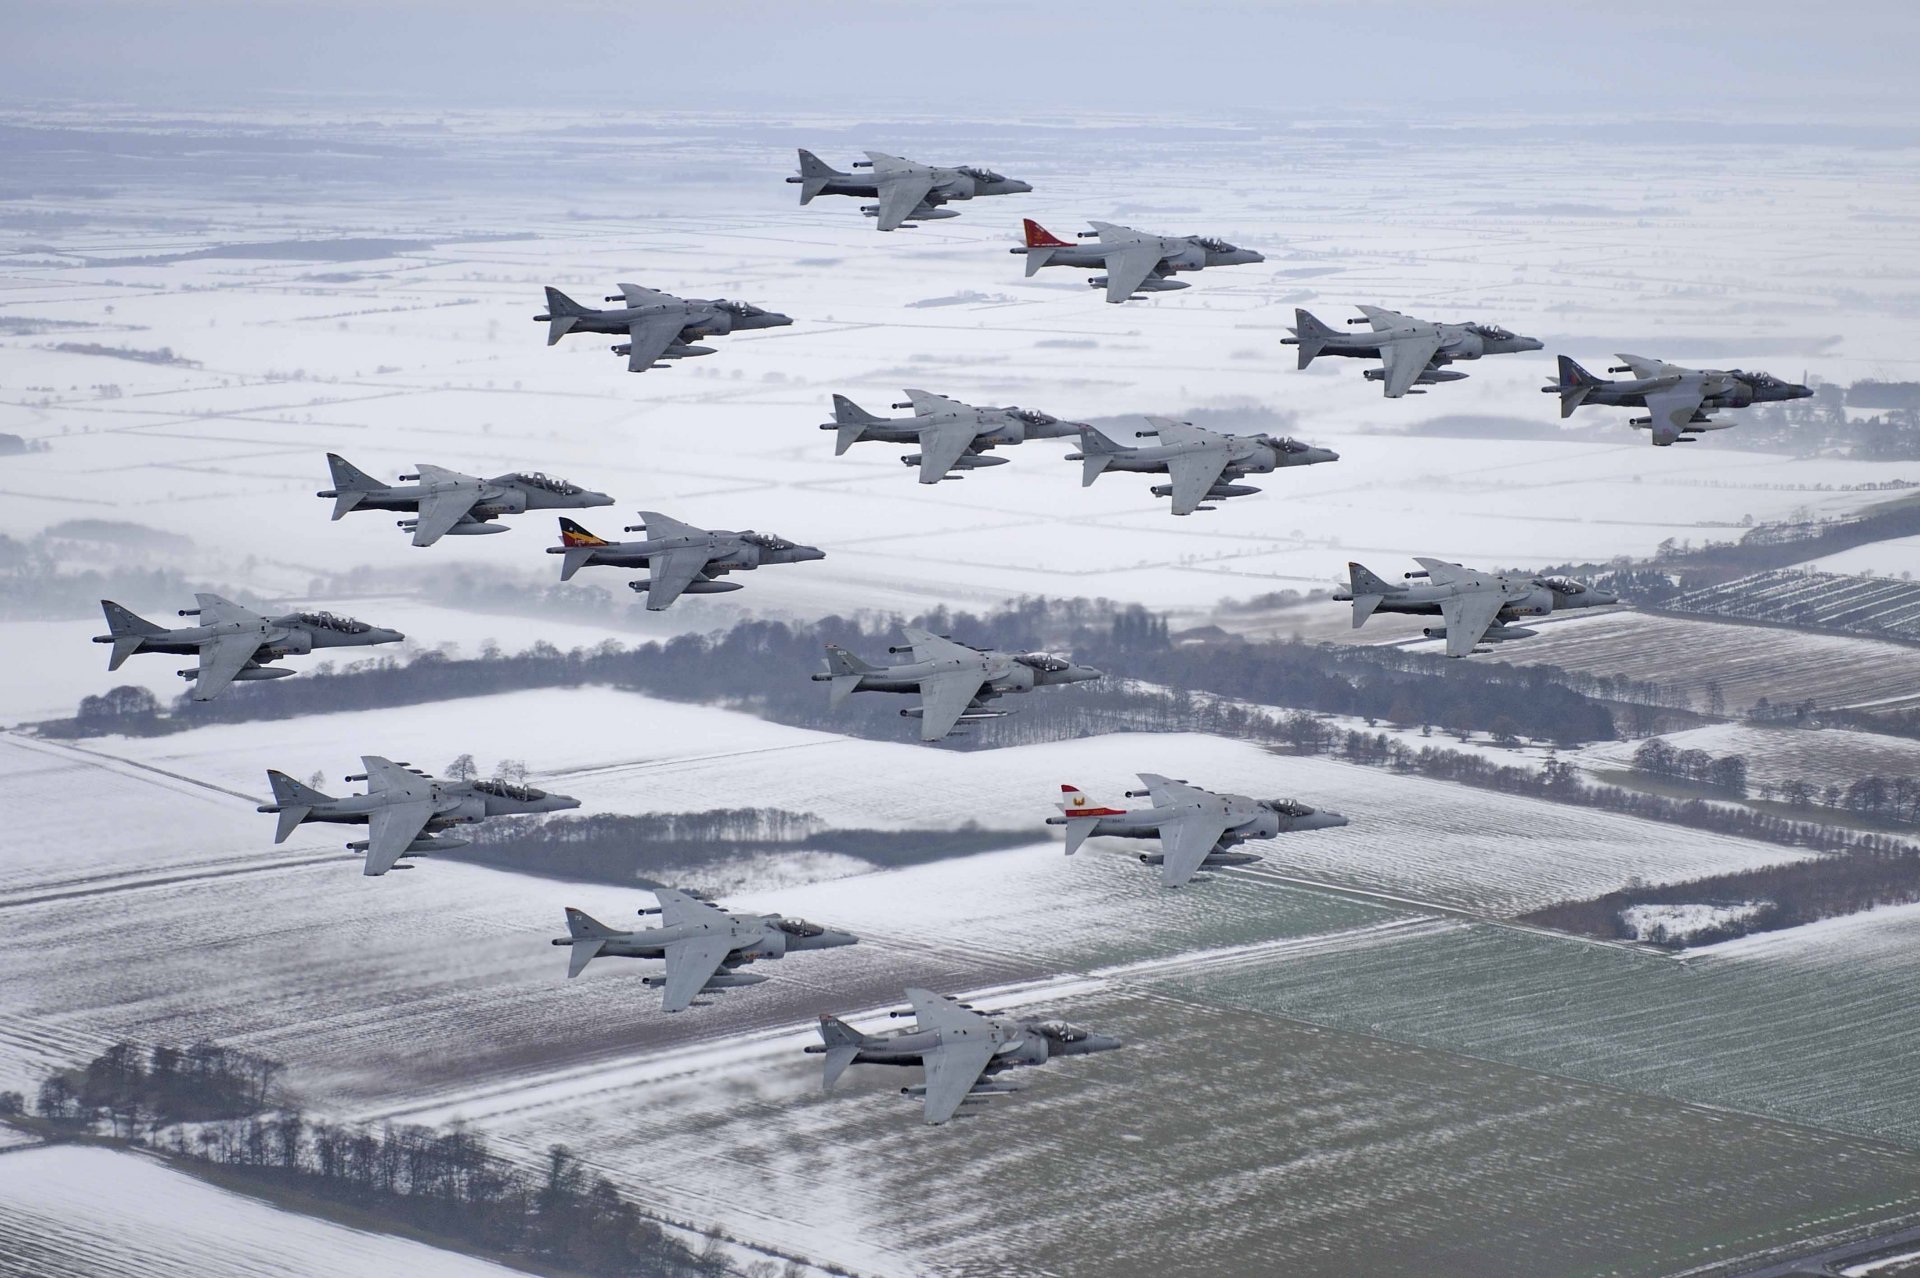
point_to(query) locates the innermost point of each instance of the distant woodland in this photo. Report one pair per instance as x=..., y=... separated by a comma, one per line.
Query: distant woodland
x=218, y=1107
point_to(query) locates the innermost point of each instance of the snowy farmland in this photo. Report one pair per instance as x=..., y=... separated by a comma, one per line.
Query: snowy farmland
x=75, y=1212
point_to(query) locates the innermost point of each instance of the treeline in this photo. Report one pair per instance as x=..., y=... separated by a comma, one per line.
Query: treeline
x=1558, y=781
x=207, y=1104
x=132, y=1087
x=1857, y=879
x=1658, y=757
x=665, y=849
x=764, y=667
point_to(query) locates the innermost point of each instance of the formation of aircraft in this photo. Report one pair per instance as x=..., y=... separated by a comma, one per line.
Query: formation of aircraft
x=232, y=642
x=1134, y=262
x=448, y=503
x=961, y=1050
x=1412, y=352
x=955, y=682
x=1678, y=400
x=404, y=809
x=904, y=192
x=1475, y=607
x=1200, y=465
x=1197, y=828
x=703, y=945
x=950, y=435
x=679, y=558
x=658, y=326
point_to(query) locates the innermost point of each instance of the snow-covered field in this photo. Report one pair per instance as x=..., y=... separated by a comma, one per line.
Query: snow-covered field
x=1775, y=756
x=69, y=1211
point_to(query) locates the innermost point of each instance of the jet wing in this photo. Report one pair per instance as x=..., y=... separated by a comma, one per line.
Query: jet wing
x=387, y=777
x=901, y=191
x=671, y=573
x=926, y=403
x=690, y=965
x=1644, y=367
x=1166, y=793
x=391, y=829
x=676, y=908
x=1185, y=842
x=221, y=659
x=659, y=525
x=1442, y=572
x=1383, y=319
x=944, y=697
x=952, y=1070
x=215, y=610
x=1467, y=618
x=932, y=1012
x=1114, y=233
x=941, y=446
x=1672, y=409
x=637, y=296
x=649, y=337
x=1128, y=268
x=931, y=647
x=1405, y=358
x=1192, y=474
x=440, y=511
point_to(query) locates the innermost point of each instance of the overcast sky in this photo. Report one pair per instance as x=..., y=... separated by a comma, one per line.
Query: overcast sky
x=1851, y=59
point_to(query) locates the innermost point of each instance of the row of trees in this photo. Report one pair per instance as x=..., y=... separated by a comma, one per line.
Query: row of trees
x=1659, y=757
x=213, y=1104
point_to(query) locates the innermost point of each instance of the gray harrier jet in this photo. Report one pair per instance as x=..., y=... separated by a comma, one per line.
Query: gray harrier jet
x=1135, y=262
x=232, y=642
x=448, y=503
x=702, y=944
x=657, y=326
x=955, y=681
x=679, y=558
x=1199, y=464
x=404, y=809
x=951, y=436
x=1475, y=606
x=1412, y=351
x=962, y=1050
x=1678, y=400
x=1196, y=828
x=906, y=192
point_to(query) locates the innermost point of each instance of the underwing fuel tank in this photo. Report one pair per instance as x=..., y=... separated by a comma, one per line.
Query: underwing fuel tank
x=692, y=587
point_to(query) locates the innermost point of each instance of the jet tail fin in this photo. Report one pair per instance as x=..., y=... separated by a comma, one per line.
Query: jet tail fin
x=852, y=420
x=589, y=935
x=350, y=484
x=1311, y=335
x=1096, y=451
x=1081, y=812
x=126, y=629
x=294, y=802
x=1576, y=383
x=1367, y=591
x=562, y=314
x=577, y=547
x=1041, y=244
x=815, y=175
x=845, y=671
x=843, y=1044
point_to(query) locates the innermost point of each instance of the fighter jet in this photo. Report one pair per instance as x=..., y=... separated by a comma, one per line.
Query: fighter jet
x=232, y=642
x=446, y=502
x=404, y=809
x=962, y=1050
x=907, y=192
x=1197, y=828
x=658, y=326
x=1678, y=400
x=1476, y=606
x=955, y=680
x=952, y=436
x=679, y=558
x=1413, y=352
x=703, y=944
x=1200, y=464
x=1135, y=262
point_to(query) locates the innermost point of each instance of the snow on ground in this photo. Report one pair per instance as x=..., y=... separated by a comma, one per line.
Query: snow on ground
x=1681, y=922
x=1895, y=557
x=69, y=1211
x=1775, y=756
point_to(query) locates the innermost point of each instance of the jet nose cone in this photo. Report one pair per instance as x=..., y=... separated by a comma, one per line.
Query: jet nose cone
x=1330, y=820
x=1318, y=455
x=598, y=499
x=1601, y=597
x=1531, y=344
x=1802, y=392
x=839, y=938
x=1082, y=674
x=774, y=319
x=1019, y=188
x=807, y=554
x=388, y=636
x=1103, y=1043
x=559, y=803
